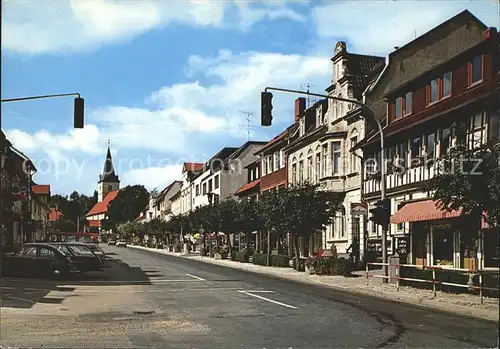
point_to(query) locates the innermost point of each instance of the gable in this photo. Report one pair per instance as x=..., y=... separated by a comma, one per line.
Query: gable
x=431, y=49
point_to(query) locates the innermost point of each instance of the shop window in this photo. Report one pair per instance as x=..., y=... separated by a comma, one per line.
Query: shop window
x=443, y=246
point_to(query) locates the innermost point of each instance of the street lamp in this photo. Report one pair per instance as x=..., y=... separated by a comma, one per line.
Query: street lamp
x=373, y=116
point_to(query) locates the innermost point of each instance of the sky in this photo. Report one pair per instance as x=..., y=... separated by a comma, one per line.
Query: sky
x=167, y=81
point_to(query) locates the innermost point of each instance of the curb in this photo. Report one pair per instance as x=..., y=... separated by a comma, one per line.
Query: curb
x=491, y=315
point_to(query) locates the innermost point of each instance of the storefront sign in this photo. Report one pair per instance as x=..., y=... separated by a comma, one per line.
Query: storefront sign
x=359, y=209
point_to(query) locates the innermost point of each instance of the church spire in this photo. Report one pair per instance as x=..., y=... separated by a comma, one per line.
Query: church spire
x=108, y=173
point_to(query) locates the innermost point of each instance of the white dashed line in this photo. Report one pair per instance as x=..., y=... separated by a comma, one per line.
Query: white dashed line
x=196, y=277
x=268, y=300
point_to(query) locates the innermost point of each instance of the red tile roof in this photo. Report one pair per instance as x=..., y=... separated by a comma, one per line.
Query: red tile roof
x=248, y=186
x=55, y=215
x=192, y=166
x=94, y=223
x=41, y=189
x=102, y=207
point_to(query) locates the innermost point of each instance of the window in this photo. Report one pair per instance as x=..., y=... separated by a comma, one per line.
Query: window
x=197, y=189
x=342, y=223
x=270, y=164
x=440, y=88
x=264, y=167
x=110, y=187
x=325, y=158
x=276, y=160
x=301, y=171
x=204, y=188
x=210, y=186
x=216, y=182
x=335, y=157
x=341, y=106
x=310, y=168
x=370, y=165
x=403, y=154
x=444, y=142
x=28, y=251
x=302, y=124
x=416, y=147
x=398, y=108
x=447, y=84
x=294, y=173
x=336, y=107
x=430, y=145
x=282, y=159
x=318, y=166
x=477, y=135
x=434, y=91
x=319, y=116
x=476, y=70
x=45, y=252
x=354, y=158
x=408, y=103
x=494, y=127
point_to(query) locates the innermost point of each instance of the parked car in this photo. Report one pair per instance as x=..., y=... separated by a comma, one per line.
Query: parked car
x=111, y=242
x=121, y=243
x=80, y=254
x=38, y=260
x=98, y=251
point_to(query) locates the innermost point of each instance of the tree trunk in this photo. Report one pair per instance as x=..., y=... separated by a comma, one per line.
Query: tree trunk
x=295, y=240
x=230, y=248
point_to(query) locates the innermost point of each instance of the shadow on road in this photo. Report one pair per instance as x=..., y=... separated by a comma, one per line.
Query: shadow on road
x=26, y=292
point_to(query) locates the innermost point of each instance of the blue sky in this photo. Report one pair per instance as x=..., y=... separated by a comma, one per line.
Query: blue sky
x=165, y=81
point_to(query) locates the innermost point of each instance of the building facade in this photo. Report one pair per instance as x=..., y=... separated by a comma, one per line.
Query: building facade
x=445, y=78
x=164, y=203
x=320, y=153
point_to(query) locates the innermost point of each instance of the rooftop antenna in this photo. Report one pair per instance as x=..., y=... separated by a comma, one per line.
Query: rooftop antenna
x=310, y=99
x=248, y=118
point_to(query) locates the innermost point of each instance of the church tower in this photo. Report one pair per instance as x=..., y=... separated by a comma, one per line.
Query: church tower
x=108, y=180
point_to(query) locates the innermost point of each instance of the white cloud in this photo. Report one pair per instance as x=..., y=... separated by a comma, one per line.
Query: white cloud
x=182, y=120
x=375, y=27
x=36, y=27
x=157, y=177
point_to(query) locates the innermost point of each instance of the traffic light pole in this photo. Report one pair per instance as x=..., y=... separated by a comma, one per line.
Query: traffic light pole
x=36, y=97
x=382, y=156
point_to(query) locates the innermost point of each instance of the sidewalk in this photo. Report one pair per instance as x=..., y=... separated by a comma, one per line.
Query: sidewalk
x=463, y=304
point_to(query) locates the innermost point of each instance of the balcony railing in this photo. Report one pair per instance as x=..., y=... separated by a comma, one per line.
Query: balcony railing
x=397, y=177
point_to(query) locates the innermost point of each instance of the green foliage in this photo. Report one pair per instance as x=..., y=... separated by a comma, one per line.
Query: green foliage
x=74, y=207
x=107, y=224
x=129, y=229
x=329, y=266
x=470, y=180
x=128, y=204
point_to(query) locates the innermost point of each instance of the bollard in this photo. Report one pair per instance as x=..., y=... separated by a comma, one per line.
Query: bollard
x=367, y=273
x=434, y=282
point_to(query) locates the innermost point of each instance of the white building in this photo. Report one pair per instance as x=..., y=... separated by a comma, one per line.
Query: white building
x=321, y=152
x=163, y=202
x=189, y=171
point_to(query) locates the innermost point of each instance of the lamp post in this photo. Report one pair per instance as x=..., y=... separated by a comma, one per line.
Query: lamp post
x=374, y=118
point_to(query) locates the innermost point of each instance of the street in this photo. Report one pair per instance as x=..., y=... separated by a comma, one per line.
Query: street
x=151, y=300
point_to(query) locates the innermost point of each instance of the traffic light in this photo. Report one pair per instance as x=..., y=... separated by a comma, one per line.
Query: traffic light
x=381, y=213
x=78, y=113
x=266, y=104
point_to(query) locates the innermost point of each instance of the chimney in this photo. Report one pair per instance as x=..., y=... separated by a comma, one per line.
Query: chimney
x=490, y=32
x=300, y=107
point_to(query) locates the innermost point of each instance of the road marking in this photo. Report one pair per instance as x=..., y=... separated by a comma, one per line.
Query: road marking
x=22, y=299
x=258, y=291
x=196, y=277
x=268, y=300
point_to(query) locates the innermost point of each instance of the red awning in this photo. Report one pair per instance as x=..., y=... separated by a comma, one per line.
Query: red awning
x=426, y=210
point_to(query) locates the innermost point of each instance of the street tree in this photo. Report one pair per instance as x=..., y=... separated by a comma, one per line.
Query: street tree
x=227, y=214
x=308, y=210
x=249, y=218
x=128, y=204
x=469, y=179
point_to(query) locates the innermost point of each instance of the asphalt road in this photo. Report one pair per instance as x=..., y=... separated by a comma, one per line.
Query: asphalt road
x=152, y=300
